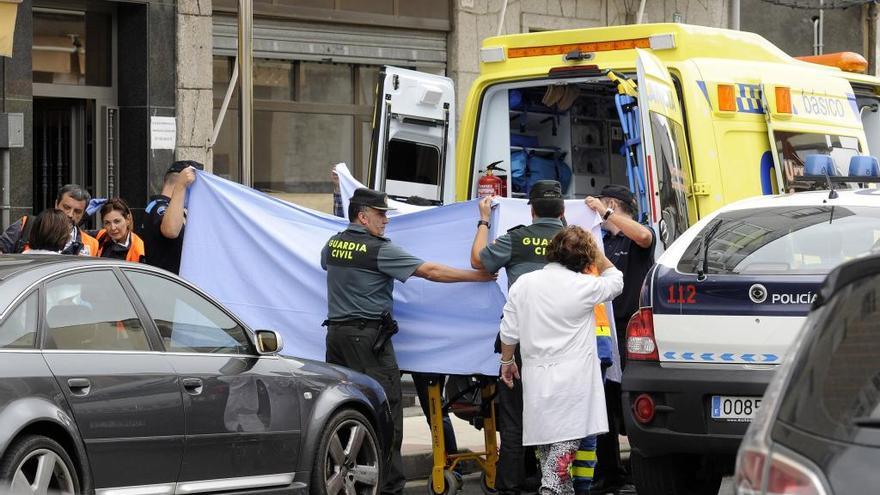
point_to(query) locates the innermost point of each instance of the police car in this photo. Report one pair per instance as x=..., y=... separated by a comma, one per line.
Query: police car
x=718, y=313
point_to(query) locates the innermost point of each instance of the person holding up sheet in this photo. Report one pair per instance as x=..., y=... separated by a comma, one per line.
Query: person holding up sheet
x=362, y=266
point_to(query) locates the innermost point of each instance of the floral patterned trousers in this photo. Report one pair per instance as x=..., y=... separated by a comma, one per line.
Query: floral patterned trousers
x=556, y=460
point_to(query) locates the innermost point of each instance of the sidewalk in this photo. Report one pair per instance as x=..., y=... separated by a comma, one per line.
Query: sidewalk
x=417, y=460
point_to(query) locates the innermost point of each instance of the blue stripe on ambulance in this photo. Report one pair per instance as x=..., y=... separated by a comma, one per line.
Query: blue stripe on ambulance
x=854, y=104
x=702, y=86
x=749, y=98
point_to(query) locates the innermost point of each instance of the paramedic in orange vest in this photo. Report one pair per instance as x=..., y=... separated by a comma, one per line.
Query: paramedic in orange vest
x=72, y=201
x=117, y=239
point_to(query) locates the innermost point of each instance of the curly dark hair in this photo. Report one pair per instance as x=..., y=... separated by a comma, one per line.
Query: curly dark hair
x=574, y=248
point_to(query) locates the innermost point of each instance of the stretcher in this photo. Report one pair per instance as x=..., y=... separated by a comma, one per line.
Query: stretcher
x=471, y=399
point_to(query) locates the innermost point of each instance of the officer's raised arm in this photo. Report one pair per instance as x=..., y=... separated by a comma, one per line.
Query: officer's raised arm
x=481, y=239
x=437, y=272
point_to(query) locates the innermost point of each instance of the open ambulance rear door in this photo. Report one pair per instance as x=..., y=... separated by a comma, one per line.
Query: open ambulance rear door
x=810, y=113
x=413, y=140
x=667, y=164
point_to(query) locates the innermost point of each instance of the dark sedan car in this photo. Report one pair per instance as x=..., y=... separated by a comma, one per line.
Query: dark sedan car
x=818, y=430
x=119, y=378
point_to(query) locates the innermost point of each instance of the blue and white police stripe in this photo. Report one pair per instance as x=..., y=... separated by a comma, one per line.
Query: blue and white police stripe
x=720, y=357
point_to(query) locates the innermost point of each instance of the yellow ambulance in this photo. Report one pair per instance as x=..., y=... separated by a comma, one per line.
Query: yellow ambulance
x=689, y=117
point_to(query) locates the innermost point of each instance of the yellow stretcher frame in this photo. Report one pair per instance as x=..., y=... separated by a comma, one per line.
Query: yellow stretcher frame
x=443, y=480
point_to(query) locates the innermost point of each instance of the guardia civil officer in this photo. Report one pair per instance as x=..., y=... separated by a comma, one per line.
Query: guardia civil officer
x=361, y=268
x=521, y=250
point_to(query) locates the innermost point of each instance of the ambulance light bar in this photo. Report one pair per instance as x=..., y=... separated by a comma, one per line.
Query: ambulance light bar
x=846, y=61
x=656, y=42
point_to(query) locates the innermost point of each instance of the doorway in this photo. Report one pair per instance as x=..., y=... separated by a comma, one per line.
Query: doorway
x=64, y=147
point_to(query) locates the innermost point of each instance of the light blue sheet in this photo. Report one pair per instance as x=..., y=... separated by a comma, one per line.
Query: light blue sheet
x=260, y=256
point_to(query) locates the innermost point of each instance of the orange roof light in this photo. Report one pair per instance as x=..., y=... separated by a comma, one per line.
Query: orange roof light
x=726, y=98
x=600, y=46
x=783, y=99
x=848, y=61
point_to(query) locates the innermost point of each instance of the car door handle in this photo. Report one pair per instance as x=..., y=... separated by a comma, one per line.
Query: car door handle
x=193, y=386
x=79, y=386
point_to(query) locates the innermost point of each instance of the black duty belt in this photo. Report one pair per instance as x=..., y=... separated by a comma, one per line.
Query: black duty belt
x=355, y=322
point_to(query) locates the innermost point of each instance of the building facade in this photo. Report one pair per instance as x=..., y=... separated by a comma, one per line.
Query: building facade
x=316, y=65
x=112, y=91
x=89, y=77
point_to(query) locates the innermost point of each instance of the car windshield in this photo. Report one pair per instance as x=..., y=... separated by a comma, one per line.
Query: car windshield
x=835, y=386
x=790, y=239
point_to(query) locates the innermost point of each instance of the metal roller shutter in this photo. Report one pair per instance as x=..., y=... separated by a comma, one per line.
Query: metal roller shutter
x=340, y=43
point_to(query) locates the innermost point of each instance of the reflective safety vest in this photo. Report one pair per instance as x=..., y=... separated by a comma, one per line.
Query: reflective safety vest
x=135, y=247
x=90, y=242
x=604, y=342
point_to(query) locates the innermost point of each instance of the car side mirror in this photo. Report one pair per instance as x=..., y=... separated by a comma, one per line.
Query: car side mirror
x=269, y=342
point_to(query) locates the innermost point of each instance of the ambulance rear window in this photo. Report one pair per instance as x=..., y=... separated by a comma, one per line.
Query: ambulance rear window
x=791, y=239
x=794, y=148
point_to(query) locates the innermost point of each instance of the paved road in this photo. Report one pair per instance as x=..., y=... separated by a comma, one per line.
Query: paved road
x=472, y=487
x=417, y=448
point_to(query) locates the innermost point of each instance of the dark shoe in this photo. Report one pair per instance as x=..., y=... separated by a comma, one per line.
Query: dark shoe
x=531, y=484
x=604, y=485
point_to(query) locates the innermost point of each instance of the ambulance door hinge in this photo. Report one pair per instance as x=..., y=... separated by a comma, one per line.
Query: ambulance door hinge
x=701, y=189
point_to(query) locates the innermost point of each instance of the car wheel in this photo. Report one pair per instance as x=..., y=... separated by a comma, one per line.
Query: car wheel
x=674, y=475
x=347, y=460
x=37, y=464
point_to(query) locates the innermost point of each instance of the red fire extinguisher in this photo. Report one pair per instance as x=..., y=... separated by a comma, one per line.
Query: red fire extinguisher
x=489, y=184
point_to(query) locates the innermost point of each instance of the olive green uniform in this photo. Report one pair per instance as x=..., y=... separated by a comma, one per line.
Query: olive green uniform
x=361, y=269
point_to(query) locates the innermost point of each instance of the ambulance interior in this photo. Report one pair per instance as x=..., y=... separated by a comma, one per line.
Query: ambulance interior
x=568, y=131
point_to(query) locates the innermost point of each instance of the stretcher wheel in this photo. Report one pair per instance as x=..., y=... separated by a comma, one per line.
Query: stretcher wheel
x=450, y=485
x=485, y=486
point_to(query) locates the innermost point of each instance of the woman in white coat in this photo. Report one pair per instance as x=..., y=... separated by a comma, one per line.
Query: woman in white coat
x=549, y=314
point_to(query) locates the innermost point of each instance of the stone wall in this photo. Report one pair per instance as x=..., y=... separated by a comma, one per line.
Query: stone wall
x=195, y=96
x=792, y=29
x=475, y=20
x=17, y=97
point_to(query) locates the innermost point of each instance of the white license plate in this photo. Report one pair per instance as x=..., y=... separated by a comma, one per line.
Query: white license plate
x=732, y=408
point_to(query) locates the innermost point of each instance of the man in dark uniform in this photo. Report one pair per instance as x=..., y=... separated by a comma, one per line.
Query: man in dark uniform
x=361, y=268
x=629, y=245
x=521, y=250
x=166, y=217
